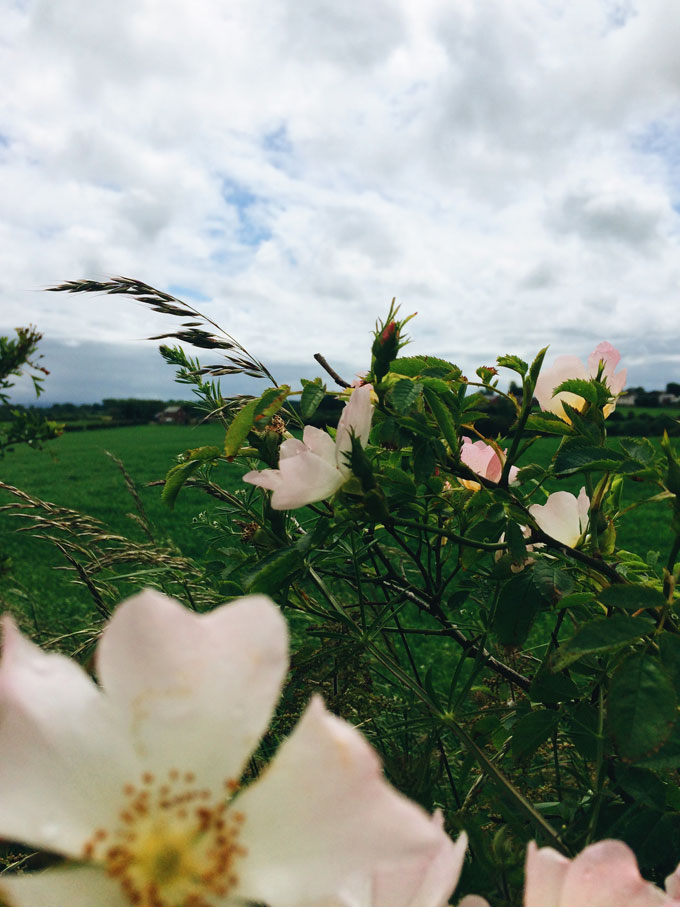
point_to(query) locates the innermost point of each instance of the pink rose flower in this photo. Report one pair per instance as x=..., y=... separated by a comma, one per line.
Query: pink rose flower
x=314, y=468
x=563, y=517
x=602, y=875
x=566, y=367
x=483, y=459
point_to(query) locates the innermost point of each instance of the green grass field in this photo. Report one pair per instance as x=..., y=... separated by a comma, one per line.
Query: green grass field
x=75, y=472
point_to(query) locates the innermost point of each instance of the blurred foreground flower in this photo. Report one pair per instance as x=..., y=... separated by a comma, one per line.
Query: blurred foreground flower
x=316, y=467
x=136, y=781
x=603, y=875
x=563, y=517
x=425, y=881
x=566, y=367
x=485, y=460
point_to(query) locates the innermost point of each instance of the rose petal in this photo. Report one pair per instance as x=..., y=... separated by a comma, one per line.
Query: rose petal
x=473, y=900
x=320, y=443
x=82, y=886
x=559, y=517
x=564, y=368
x=356, y=417
x=323, y=813
x=197, y=691
x=606, y=353
x=63, y=761
x=546, y=870
x=426, y=881
x=607, y=873
x=481, y=458
x=305, y=479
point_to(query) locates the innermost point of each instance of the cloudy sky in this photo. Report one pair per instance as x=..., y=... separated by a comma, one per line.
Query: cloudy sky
x=510, y=170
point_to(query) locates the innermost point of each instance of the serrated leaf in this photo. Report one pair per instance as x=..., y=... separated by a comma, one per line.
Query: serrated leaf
x=413, y=366
x=641, y=706
x=443, y=418
x=536, y=365
x=579, y=386
x=179, y=474
x=631, y=597
x=404, y=394
x=513, y=362
x=639, y=449
x=532, y=730
x=552, y=688
x=312, y=395
x=575, y=456
x=602, y=635
x=274, y=571
x=550, y=423
x=260, y=410
x=516, y=610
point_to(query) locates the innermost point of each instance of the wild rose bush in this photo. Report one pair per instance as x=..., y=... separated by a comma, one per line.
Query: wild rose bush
x=470, y=609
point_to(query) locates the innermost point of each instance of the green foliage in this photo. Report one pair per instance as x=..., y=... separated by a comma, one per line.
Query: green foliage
x=518, y=683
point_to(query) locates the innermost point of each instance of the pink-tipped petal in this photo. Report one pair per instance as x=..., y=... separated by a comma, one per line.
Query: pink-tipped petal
x=607, y=354
x=195, y=692
x=323, y=812
x=473, y=900
x=545, y=872
x=605, y=874
x=81, y=886
x=481, y=458
x=63, y=762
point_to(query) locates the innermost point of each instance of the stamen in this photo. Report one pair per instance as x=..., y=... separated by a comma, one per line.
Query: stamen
x=172, y=848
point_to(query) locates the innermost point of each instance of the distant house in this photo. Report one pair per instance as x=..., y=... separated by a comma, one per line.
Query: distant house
x=626, y=399
x=172, y=415
x=666, y=399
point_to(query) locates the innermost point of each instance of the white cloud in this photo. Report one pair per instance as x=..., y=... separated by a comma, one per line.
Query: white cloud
x=508, y=170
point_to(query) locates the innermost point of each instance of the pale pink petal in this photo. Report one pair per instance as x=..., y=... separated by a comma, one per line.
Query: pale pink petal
x=605, y=874
x=323, y=813
x=545, y=872
x=473, y=900
x=583, y=506
x=291, y=447
x=305, y=479
x=617, y=382
x=564, y=368
x=512, y=474
x=606, y=353
x=81, y=886
x=264, y=478
x=320, y=443
x=673, y=884
x=481, y=458
x=559, y=517
x=425, y=881
x=63, y=760
x=356, y=417
x=196, y=691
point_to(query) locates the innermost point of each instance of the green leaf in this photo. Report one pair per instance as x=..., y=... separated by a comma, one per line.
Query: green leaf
x=552, y=688
x=639, y=449
x=536, y=365
x=532, y=730
x=178, y=475
x=580, y=387
x=641, y=706
x=575, y=456
x=516, y=610
x=260, y=410
x=404, y=394
x=312, y=395
x=424, y=460
x=631, y=597
x=513, y=362
x=602, y=635
x=274, y=571
x=414, y=366
x=550, y=423
x=444, y=420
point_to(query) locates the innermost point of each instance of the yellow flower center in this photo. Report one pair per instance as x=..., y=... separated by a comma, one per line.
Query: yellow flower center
x=172, y=847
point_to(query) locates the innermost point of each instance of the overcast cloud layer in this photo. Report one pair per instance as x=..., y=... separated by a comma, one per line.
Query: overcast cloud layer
x=509, y=170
